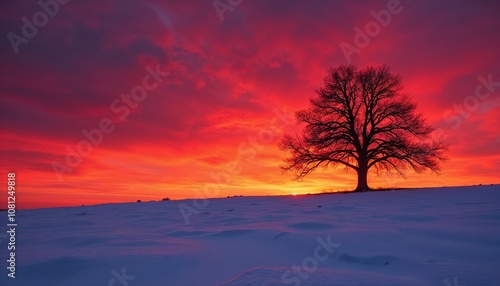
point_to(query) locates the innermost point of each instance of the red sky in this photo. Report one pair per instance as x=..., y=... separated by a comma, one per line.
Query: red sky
x=225, y=78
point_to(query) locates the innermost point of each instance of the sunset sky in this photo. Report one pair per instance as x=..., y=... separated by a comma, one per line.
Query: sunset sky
x=237, y=70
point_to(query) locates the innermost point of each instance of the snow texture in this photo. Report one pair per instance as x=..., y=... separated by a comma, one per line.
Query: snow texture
x=445, y=236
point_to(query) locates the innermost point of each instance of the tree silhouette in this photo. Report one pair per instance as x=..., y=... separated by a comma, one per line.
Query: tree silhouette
x=361, y=119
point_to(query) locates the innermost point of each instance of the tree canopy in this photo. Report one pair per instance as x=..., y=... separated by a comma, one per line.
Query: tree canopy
x=362, y=119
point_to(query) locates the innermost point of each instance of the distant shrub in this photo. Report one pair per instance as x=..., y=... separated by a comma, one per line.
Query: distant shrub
x=138, y=201
x=165, y=199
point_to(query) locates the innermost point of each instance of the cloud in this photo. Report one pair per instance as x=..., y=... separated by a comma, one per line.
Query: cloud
x=225, y=80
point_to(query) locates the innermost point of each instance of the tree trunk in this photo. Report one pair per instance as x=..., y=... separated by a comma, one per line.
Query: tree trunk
x=362, y=180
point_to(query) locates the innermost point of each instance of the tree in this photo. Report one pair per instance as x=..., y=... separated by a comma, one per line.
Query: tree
x=361, y=119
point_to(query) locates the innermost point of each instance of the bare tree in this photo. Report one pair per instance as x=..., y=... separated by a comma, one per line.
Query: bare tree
x=361, y=119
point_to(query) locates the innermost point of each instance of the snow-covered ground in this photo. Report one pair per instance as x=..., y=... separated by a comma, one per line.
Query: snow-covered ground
x=446, y=236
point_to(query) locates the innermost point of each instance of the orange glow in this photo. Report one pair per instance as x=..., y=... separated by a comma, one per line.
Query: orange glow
x=211, y=127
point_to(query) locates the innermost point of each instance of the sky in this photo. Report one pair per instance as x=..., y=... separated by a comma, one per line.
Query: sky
x=115, y=101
